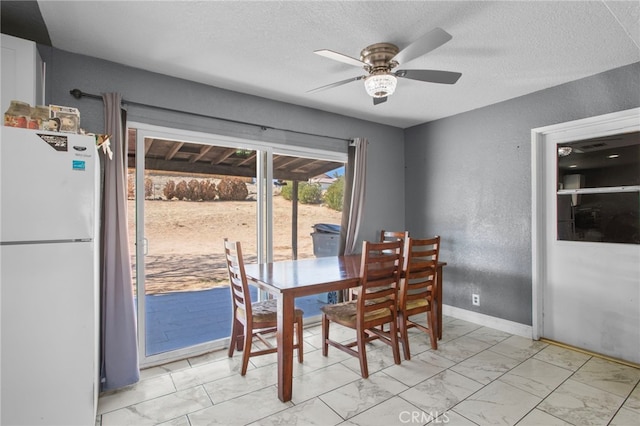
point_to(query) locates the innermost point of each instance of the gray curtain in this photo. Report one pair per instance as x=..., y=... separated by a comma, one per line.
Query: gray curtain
x=119, y=352
x=354, y=190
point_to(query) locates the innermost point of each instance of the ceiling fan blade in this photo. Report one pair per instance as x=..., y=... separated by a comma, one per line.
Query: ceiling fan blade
x=336, y=84
x=428, y=42
x=378, y=101
x=431, y=76
x=340, y=57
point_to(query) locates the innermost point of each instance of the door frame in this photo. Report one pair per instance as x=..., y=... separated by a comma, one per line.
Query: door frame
x=598, y=126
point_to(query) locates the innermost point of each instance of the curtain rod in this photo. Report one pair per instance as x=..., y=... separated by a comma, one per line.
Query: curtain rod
x=77, y=93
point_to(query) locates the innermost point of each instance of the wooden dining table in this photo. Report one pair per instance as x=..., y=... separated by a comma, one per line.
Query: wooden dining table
x=289, y=279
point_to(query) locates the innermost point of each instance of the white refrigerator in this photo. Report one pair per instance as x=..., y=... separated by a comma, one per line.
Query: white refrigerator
x=49, y=188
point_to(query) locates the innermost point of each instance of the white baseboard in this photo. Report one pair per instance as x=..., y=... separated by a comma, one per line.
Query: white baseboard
x=489, y=321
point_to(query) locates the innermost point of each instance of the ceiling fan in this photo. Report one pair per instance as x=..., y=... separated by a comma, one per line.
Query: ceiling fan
x=379, y=59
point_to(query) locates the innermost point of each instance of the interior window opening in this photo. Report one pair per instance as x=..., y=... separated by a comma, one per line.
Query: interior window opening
x=598, y=183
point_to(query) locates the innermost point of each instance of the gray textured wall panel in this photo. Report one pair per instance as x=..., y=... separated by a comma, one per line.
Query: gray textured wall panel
x=468, y=179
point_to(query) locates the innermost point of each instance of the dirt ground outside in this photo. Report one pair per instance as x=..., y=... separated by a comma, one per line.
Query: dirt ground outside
x=185, y=238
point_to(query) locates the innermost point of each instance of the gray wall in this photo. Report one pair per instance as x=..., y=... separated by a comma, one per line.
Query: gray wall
x=468, y=179
x=385, y=183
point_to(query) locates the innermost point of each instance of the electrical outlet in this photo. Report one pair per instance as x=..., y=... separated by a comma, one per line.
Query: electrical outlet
x=475, y=299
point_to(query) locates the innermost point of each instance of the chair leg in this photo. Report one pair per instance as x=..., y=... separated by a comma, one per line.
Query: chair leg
x=300, y=349
x=362, y=354
x=233, y=340
x=433, y=328
x=246, y=353
x=404, y=335
x=240, y=343
x=394, y=342
x=325, y=335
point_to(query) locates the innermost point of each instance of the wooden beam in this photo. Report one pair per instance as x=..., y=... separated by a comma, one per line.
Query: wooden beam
x=200, y=167
x=224, y=155
x=250, y=159
x=175, y=148
x=295, y=164
x=147, y=145
x=323, y=168
x=203, y=150
x=211, y=169
x=281, y=161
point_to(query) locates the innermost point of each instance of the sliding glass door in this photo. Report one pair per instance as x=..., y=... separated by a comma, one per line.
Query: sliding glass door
x=188, y=192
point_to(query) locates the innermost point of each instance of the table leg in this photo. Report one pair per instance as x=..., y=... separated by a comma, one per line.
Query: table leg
x=439, y=301
x=285, y=346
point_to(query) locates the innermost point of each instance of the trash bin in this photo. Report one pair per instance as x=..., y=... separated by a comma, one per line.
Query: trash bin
x=326, y=239
x=326, y=242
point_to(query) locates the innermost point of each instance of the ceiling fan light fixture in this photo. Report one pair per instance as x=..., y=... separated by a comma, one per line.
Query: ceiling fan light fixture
x=380, y=85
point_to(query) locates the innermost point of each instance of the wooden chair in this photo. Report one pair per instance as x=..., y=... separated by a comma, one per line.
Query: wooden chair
x=393, y=235
x=418, y=288
x=376, y=305
x=251, y=319
x=385, y=236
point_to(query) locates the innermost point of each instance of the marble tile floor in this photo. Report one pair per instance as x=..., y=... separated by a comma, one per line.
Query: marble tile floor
x=478, y=376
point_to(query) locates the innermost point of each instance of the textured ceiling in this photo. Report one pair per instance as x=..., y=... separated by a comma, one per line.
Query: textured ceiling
x=502, y=49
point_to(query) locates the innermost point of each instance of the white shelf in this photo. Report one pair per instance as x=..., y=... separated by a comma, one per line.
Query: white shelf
x=603, y=190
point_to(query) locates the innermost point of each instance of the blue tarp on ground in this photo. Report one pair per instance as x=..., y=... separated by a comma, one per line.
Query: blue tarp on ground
x=182, y=319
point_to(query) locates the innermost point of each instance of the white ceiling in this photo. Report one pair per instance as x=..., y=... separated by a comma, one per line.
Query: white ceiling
x=502, y=49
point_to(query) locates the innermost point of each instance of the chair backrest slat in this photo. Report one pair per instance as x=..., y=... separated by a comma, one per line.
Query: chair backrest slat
x=380, y=270
x=420, y=269
x=238, y=284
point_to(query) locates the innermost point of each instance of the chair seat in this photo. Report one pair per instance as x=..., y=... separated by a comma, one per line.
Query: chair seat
x=416, y=303
x=266, y=311
x=346, y=312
